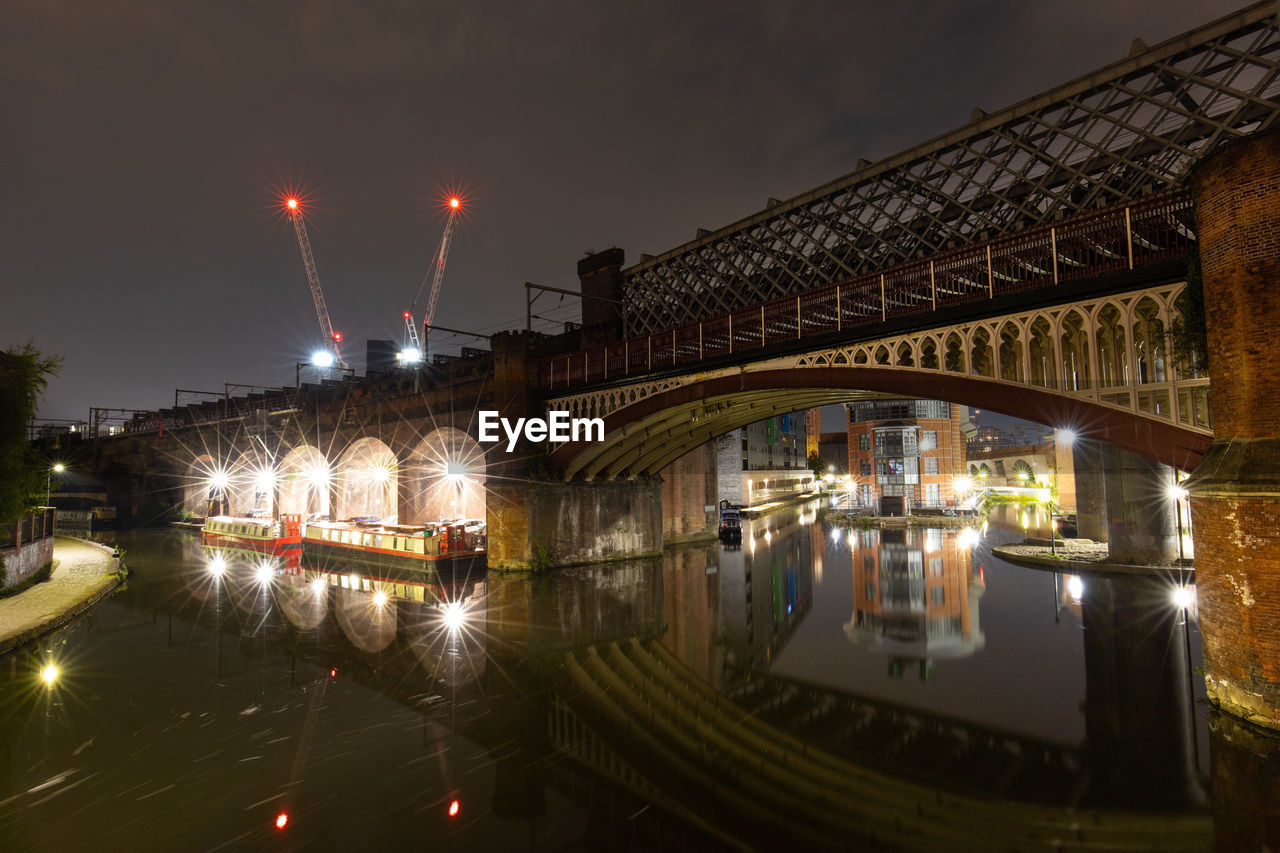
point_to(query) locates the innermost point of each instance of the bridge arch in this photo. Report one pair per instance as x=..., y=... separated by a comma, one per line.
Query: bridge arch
x=199, y=489
x=1098, y=365
x=643, y=437
x=366, y=481
x=304, y=478
x=443, y=477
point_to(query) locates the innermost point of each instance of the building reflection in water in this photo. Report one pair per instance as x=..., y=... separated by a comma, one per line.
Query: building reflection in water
x=915, y=598
x=765, y=588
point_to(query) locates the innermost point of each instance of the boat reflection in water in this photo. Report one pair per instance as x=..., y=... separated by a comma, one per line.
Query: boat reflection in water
x=439, y=612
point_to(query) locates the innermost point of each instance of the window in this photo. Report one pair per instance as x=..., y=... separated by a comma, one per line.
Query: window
x=864, y=441
x=935, y=567
x=937, y=595
x=931, y=465
x=929, y=440
x=870, y=591
x=866, y=467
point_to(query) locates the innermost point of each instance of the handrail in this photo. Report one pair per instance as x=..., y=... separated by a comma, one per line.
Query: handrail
x=1137, y=234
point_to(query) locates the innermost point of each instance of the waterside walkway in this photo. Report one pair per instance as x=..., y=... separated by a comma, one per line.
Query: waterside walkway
x=83, y=574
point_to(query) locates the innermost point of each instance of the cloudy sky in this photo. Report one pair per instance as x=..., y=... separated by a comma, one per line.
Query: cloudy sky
x=144, y=145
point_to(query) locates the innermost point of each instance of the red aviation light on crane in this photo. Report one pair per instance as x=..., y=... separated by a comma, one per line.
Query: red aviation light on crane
x=337, y=336
x=455, y=202
x=292, y=204
x=406, y=315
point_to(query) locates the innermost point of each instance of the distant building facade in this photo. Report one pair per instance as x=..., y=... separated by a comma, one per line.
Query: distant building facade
x=905, y=454
x=812, y=432
x=764, y=461
x=1027, y=465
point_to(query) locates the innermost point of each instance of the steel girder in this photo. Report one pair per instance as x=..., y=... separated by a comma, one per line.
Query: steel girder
x=1127, y=130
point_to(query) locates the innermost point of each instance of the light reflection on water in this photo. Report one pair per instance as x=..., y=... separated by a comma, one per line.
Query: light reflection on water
x=204, y=703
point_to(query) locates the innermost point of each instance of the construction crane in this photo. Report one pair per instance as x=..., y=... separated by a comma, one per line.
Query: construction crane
x=413, y=349
x=333, y=339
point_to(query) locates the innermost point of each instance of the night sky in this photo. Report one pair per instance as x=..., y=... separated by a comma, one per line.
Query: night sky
x=144, y=144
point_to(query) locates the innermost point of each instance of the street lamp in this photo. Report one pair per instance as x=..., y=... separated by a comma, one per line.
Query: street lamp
x=1177, y=494
x=58, y=468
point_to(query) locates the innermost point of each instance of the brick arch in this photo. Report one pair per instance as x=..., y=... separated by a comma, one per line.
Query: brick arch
x=642, y=437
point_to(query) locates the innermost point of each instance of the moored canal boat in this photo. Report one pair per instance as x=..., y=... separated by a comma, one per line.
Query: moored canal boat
x=280, y=537
x=455, y=545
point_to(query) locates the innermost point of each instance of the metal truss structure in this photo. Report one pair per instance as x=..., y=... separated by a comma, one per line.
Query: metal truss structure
x=1125, y=131
x=1105, y=360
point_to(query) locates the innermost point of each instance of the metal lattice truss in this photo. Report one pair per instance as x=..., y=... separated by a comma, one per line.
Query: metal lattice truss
x=1127, y=130
x=1112, y=354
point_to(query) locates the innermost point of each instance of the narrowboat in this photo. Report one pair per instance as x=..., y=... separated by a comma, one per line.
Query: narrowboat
x=280, y=537
x=456, y=545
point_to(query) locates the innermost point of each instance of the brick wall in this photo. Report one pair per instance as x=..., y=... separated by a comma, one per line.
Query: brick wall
x=1235, y=511
x=1237, y=193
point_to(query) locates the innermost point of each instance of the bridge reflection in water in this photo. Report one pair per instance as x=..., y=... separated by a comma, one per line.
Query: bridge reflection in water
x=563, y=706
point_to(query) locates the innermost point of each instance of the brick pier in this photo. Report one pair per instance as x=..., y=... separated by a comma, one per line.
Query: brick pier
x=1235, y=492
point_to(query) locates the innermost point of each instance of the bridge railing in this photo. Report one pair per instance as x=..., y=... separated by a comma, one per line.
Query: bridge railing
x=1146, y=232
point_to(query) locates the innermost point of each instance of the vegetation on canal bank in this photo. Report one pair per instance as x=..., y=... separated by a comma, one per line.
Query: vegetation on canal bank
x=40, y=576
x=24, y=376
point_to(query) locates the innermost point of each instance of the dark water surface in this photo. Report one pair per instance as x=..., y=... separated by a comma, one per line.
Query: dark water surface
x=818, y=687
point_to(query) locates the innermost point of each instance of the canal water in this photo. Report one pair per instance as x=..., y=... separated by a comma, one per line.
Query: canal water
x=818, y=686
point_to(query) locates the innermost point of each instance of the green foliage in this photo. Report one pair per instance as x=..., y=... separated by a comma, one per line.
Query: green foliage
x=815, y=464
x=24, y=375
x=1189, y=329
x=543, y=559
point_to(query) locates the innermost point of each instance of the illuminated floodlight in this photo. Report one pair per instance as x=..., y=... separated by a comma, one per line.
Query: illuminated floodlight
x=1176, y=493
x=454, y=616
x=317, y=586
x=265, y=572
x=380, y=599
x=410, y=355
x=217, y=564
x=380, y=473
x=319, y=475
x=58, y=468
x=1067, y=437
x=322, y=358
x=219, y=479
x=1184, y=597
x=265, y=479
x=963, y=485
x=49, y=674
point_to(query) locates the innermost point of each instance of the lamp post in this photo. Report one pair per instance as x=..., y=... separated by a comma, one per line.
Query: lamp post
x=48, y=480
x=1178, y=494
